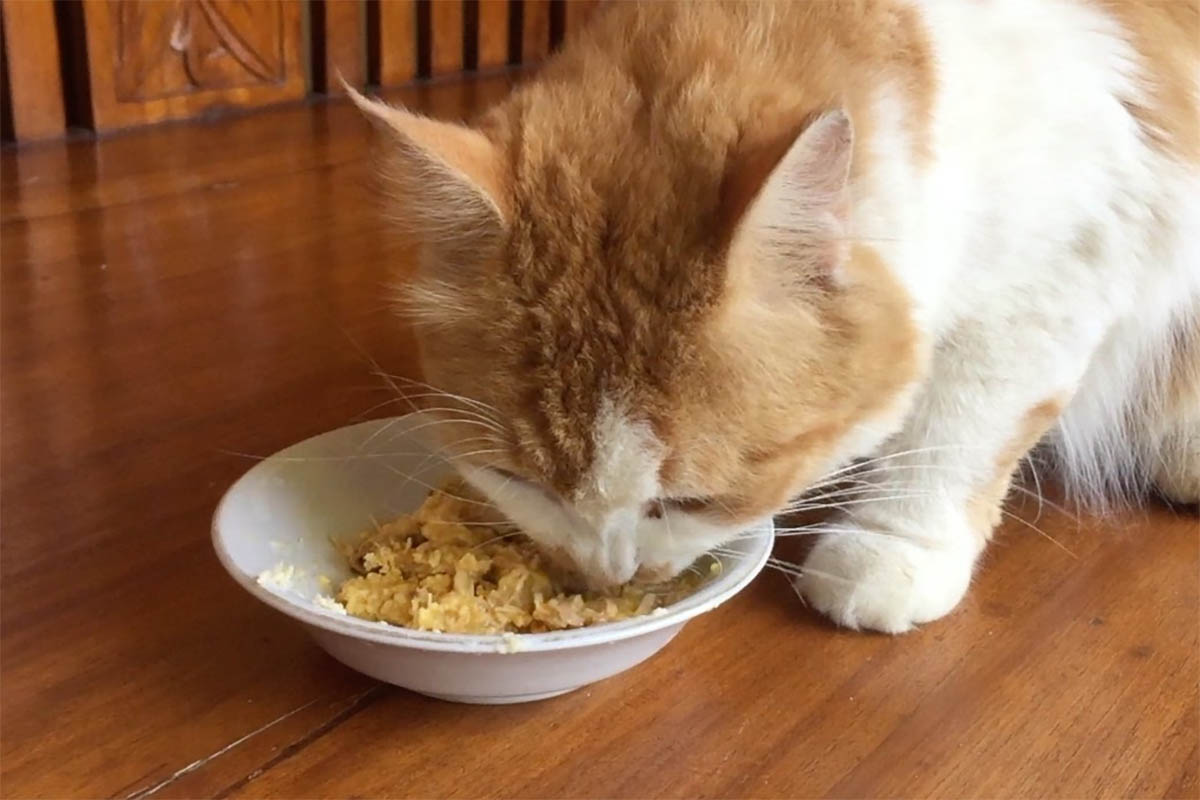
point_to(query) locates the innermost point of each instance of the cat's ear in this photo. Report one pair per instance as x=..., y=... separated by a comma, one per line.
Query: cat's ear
x=790, y=199
x=444, y=182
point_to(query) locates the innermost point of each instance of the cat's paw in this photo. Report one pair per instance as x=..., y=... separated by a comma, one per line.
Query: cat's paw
x=883, y=583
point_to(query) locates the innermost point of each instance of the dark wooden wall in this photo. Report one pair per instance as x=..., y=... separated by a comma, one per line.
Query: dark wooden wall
x=103, y=65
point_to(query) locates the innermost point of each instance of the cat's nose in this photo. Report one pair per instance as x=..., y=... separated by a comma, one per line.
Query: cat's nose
x=612, y=564
x=606, y=575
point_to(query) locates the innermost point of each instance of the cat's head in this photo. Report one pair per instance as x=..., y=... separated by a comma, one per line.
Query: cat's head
x=647, y=340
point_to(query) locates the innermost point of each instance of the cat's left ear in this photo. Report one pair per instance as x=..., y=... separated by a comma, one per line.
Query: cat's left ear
x=790, y=198
x=445, y=181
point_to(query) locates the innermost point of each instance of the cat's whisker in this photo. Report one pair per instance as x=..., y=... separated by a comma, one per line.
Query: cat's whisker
x=1048, y=503
x=465, y=415
x=841, y=504
x=383, y=404
x=471, y=454
x=448, y=397
x=484, y=407
x=864, y=477
x=382, y=429
x=354, y=456
x=376, y=369
x=774, y=563
x=413, y=479
x=329, y=459
x=723, y=505
x=467, y=524
x=858, y=465
x=885, y=468
x=799, y=594
x=1041, y=533
x=449, y=448
x=499, y=538
x=1037, y=483
x=436, y=422
x=818, y=530
x=854, y=491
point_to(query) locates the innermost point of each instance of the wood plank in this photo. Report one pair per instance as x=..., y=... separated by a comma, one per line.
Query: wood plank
x=150, y=61
x=35, y=82
x=535, y=31
x=345, y=44
x=446, y=36
x=397, y=41
x=493, y=33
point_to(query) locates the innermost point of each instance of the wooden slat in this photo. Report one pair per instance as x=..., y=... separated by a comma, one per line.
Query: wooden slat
x=446, y=42
x=397, y=41
x=345, y=44
x=31, y=49
x=577, y=14
x=535, y=31
x=493, y=33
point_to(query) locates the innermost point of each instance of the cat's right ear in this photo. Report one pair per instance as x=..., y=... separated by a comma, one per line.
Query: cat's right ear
x=788, y=202
x=444, y=182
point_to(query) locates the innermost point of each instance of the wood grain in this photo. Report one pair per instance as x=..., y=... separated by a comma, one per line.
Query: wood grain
x=397, y=41
x=174, y=296
x=446, y=36
x=493, y=33
x=535, y=31
x=151, y=61
x=34, y=75
x=345, y=44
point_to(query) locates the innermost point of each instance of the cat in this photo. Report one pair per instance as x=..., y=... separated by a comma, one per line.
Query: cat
x=714, y=255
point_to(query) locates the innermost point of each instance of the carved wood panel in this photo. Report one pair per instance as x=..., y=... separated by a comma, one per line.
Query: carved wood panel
x=153, y=60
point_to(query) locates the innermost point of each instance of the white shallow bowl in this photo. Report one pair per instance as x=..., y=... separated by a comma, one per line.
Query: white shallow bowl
x=286, y=509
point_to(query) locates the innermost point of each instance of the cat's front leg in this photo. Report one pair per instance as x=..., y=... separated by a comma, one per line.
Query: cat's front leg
x=902, y=548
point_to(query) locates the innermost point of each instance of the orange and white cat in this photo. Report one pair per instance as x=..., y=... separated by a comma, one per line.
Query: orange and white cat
x=715, y=254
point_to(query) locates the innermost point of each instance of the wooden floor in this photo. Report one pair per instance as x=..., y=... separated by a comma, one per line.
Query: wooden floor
x=172, y=296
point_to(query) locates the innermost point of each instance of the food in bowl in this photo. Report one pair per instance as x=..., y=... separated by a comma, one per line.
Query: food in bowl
x=452, y=566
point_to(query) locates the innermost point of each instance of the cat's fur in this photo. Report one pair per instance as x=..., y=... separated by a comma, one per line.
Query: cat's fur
x=715, y=252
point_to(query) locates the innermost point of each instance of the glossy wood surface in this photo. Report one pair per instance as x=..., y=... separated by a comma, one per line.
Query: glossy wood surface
x=172, y=297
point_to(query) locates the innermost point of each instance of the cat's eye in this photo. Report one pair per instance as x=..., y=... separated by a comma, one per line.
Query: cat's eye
x=508, y=475
x=656, y=508
x=512, y=480
x=690, y=505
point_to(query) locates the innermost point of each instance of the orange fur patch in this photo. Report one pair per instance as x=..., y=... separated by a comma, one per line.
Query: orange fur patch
x=1166, y=33
x=984, y=506
x=841, y=358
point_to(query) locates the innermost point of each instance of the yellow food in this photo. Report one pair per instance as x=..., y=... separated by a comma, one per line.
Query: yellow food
x=451, y=567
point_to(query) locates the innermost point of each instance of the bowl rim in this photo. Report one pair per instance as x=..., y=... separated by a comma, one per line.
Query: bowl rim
x=754, y=546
